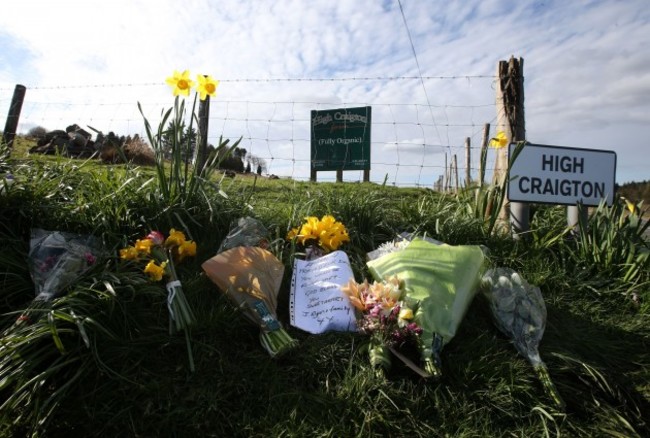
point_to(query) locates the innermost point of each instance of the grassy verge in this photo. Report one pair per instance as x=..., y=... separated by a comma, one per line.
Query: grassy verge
x=99, y=360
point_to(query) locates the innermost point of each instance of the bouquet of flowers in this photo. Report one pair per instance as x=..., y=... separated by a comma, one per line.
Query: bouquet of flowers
x=519, y=312
x=386, y=315
x=442, y=278
x=319, y=236
x=56, y=259
x=251, y=277
x=160, y=255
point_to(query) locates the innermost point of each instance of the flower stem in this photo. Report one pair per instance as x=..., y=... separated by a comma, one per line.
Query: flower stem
x=277, y=342
x=379, y=358
x=549, y=386
x=190, y=355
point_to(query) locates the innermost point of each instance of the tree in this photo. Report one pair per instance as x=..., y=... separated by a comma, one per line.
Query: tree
x=37, y=132
x=257, y=162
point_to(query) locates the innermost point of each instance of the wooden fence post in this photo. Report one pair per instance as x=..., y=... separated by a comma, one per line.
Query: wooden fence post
x=468, y=161
x=483, y=160
x=202, y=145
x=455, y=166
x=445, y=179
x=511, y=120
x=15, y=107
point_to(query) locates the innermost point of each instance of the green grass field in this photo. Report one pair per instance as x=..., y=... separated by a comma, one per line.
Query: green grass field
x=99, y=360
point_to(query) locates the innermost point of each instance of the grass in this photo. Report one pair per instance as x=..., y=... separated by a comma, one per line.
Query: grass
x=99, y=360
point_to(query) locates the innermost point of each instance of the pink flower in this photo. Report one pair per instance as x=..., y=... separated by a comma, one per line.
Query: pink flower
x=156, y=237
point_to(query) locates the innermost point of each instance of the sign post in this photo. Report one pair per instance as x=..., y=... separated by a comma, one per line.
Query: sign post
x=340, y=140
x=561, y=175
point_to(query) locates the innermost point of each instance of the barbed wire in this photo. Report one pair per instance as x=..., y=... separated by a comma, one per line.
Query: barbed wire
x=261, y=80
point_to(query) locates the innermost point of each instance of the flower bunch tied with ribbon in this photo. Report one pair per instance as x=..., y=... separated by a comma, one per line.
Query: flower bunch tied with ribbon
x=161, y=254
x=385, y=314
x=319, y=236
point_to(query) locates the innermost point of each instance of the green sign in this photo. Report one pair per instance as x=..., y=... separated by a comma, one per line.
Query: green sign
x=340, y=139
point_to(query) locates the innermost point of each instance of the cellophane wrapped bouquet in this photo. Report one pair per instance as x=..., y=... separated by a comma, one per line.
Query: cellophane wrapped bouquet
x=251, y=276
x=56, y=259
x=441, y=278
x=519, y=312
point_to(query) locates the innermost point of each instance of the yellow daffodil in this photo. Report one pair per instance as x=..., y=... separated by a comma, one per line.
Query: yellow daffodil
x=155, y=271
x=207, y=86
x=180, y=82
x=144, y=246
x=129, y=253
x=631, y=207
x=176, y=238
x=327, y=232
x=292, y=234
x=186, y=249
x=499, y=141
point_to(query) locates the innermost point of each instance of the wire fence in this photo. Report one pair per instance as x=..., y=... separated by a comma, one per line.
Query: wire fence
x=412, y=140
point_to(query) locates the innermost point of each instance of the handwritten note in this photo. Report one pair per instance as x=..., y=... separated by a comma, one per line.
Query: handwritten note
x=317, y=302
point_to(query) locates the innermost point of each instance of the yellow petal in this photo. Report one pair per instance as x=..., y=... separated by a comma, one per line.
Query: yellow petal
x=180, y=82
x=144, y=246
x=186, y=249
x=499, y=141
x=207, y=86
x=129, y=253
x=176, y=238
x=154, y=271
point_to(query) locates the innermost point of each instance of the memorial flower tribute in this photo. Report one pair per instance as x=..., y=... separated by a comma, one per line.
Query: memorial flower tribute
x=160, y=254
x=251, y=276
x=57, y=259
x=442, y=279
x=386, y=315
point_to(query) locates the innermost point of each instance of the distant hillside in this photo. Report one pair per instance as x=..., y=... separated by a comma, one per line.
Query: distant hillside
x=636, y=191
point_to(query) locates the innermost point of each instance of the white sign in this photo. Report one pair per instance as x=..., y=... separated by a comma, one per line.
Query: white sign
x=561, y=175
x=317, y=303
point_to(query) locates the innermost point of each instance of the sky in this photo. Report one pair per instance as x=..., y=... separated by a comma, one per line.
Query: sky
x=426, y=67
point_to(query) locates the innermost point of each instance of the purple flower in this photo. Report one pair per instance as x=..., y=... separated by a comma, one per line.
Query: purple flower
x=90, y=258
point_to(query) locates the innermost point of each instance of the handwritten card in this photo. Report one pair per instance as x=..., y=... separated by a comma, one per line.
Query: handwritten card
x=317, y=302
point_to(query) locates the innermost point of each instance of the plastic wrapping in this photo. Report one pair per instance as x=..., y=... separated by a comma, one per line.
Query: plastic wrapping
x=443, y=279
x=251, y=277
x=56, y=259
x=519, y=312
x=246, y=232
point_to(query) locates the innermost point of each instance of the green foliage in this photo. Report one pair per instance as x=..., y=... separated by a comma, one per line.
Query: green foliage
x=179, y=180
x=99, y=361
x=613, y=243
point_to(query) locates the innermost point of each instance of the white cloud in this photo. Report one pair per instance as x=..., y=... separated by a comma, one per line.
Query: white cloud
x=586, y=70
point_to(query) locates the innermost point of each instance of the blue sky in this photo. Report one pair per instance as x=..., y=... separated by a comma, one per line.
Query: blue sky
x=587, y=71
